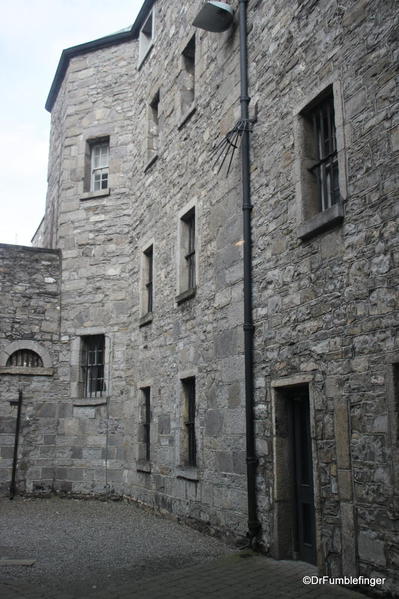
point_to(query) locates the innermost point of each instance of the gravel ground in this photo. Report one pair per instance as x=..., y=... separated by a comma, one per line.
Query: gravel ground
x=80, y=545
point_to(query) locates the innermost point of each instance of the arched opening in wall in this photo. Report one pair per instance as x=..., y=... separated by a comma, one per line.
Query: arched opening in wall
x=25, y=358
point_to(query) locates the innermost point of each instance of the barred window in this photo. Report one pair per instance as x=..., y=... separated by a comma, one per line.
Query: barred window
x=325, y=168
x=92, y=365
x=320, y=163
x=25, y=358
x=149, y=268
x=188, y=245
x=146, y=391
x=189, y=422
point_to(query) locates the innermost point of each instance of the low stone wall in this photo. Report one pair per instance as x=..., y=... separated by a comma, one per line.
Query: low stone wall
x=30, y=315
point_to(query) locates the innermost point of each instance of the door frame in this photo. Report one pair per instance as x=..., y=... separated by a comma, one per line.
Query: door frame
x=283, y=545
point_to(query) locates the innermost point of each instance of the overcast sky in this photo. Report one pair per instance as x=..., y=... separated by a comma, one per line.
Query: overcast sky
x=33, y=34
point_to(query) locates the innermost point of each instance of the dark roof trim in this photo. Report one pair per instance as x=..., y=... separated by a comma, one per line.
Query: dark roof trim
x=102, y=42
x=37, y=230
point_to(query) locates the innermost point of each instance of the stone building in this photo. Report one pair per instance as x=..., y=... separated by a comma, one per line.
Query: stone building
x=134, y=301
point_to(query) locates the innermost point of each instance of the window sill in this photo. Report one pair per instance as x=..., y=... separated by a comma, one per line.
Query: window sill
x=144, y=467
x=90, y=195
x=186, y=295
x=150, y=162
x=147, y=53
x=321, y=222
x=187, y=473
x=26, y=371
x=146, y=319
x=187, y=116
x=101, y=401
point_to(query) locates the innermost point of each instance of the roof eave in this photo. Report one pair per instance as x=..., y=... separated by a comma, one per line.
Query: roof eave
x=103, y=42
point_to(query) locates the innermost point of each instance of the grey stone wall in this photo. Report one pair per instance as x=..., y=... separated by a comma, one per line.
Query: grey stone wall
x=102, y=239
x=325, y=308
x=30, y=319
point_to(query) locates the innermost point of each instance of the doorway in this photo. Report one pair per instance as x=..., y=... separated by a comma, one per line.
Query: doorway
x=302, y=475
x=294, y=497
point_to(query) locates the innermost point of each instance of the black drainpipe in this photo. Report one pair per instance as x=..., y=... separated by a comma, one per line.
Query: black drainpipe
x=16, y=440
x=253, y=523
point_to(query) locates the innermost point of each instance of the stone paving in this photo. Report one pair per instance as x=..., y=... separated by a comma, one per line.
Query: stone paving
x=242, y=574
x=99, y=550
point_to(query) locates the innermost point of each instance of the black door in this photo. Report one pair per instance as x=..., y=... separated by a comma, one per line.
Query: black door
x=303, y=477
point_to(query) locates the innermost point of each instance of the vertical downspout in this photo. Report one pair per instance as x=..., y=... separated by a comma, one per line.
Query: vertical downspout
x=16, y=442
x=253, y=523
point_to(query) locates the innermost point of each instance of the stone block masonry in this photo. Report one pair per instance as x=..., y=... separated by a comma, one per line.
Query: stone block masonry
x=30, y=321
x=168, y=428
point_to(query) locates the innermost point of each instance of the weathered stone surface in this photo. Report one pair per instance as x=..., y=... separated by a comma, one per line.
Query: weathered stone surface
x=325, y=308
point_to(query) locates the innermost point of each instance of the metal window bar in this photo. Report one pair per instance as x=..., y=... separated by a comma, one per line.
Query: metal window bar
x=149, y=285
x=147, y=423
x=93, y=366
x=190, y=423
x=25, y=358
x=190, y=255
x=326, y=167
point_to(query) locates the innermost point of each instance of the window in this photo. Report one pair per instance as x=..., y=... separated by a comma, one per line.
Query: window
x=148, y=272
x=99, y=157
x=153, y=129
x=92, y=365
x=146, y=37
x=189, y=447
x=325, y=169
x=25, y=358
x=321, y=163
x=187, y=81
x=187, y=281
x=146, y=420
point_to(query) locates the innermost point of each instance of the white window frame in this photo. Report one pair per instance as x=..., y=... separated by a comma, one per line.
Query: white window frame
x=101, y=168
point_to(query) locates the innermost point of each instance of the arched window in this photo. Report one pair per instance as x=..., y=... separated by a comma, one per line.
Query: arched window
x=25, y=358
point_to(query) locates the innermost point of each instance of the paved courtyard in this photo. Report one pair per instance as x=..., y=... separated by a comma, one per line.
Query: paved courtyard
x=90, y=549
